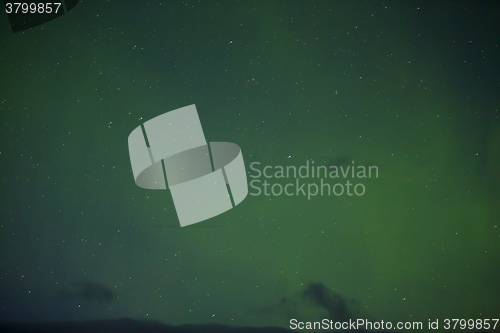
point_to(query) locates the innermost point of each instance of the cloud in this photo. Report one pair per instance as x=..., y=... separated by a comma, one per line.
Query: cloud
x=314, y=302
x=327, y=299
x=87, y=291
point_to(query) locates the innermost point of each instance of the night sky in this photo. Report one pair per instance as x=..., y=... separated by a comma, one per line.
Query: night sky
x=409, y=87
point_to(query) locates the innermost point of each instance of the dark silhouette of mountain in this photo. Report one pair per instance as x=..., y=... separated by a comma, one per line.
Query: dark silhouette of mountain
x=133, y=326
